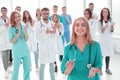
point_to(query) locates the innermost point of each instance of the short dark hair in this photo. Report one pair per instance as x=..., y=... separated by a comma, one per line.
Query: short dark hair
x=18, y=7
x=55, y=6
x=45, y=9
x=3, y=8
x=91, y=4
x=63, y=7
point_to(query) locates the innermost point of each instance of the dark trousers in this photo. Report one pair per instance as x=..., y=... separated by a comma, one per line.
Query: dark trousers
x=107, y=60
x=10, y=59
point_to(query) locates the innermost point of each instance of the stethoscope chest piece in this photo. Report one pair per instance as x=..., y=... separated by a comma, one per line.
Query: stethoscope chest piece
x=89, y=65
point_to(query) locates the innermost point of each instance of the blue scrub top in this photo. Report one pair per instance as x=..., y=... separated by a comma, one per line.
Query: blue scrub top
x=80, y=70
x=66, y=25
x=19, y=48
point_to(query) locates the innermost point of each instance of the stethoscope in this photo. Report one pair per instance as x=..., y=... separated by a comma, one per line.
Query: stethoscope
x=89, y=65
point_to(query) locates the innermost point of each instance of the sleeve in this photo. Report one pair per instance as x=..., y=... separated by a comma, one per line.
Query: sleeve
x=98, y=62
x=70, y=18
x=40, y=31
x=10, y=34
x=99, y=28
x=112, y=22
x=64, y=61
x=62, y=20
x=50, y=18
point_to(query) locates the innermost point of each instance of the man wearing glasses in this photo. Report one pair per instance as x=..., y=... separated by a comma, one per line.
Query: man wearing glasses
x=45, y=34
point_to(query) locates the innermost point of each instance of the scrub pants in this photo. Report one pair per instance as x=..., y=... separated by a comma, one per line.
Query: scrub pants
x=26, y=68
x=5, y=58
x=51, y=69
x=66, y=37
x=36, y=56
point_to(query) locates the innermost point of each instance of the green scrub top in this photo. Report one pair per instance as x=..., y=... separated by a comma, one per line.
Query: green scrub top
x=80, y=70
x=19, y=48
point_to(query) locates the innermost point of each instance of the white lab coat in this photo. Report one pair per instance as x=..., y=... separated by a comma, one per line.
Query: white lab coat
x=32, y=42
x=106, y=40
x=93, y=28
x=59, y=43
x=47, y=45
x=4, y=42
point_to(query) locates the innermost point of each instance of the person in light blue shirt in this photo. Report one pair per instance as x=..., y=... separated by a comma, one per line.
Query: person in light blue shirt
x=18, y=37
x=68, y=20
x=82, y=59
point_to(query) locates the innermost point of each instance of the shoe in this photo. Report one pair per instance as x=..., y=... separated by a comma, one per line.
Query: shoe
x=101, y=72
x=9, y=69
x=10, y=63
x=108, y=71
x=56, y=68
x=37, y=69
x=6, y=74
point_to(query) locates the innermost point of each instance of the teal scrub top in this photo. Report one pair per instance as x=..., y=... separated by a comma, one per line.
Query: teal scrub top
x=19, y=48
x=81, y=59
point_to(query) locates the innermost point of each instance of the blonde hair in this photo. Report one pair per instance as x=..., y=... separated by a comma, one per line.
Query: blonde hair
x=87, y=35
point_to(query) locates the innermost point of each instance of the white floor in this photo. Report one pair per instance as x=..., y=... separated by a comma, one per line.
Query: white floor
x=114, y=66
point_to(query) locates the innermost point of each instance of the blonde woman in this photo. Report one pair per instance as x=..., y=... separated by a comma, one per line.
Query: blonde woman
x=82, y=57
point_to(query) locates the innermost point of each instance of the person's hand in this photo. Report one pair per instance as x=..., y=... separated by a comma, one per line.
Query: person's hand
x=19, y=30
x=47, y=31
x=70, y=65
x=25, y=28
x=6, y=24
x=27, y=24
x=92, y=72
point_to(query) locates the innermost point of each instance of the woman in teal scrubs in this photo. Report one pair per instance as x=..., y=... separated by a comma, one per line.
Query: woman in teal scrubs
x=18, y=37
x=82, y=57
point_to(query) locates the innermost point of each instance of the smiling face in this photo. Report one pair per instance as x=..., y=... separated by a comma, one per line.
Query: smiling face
x=105, y=13
x=17, y=18
x=3, y=11
x=45, y=14
x=80, y=28
x=55, y=18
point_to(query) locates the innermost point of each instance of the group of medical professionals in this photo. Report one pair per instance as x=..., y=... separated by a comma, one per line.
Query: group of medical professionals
x=81, y=50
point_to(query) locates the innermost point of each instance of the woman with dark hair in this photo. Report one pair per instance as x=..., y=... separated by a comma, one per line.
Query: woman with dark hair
x=32, y=42
x=20, y=51
x=106, y=27
x=82, y=57
x=92, y=23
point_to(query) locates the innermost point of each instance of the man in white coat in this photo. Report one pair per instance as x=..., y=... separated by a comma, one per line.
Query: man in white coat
x=4, y=43
x=45, y=34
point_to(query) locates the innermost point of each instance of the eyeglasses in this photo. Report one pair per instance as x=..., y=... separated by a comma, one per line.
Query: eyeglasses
x=46, y=13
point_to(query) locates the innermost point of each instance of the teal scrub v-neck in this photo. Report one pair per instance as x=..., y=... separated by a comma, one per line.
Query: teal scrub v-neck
x=80, y=70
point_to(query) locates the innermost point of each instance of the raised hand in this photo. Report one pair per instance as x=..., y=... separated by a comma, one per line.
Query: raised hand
x=92, y=72
x=70, y=65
